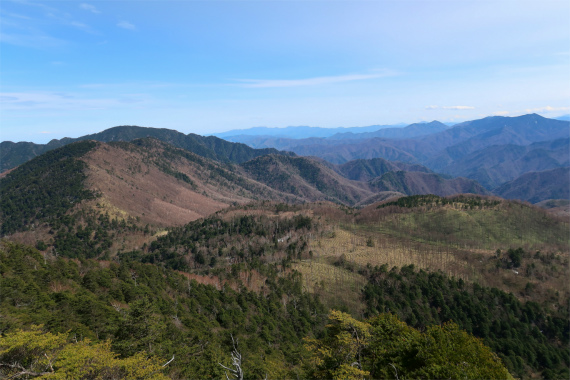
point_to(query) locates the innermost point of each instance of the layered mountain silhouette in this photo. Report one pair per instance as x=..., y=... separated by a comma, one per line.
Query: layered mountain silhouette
x=497, y=164
x=411, y=131
x=13, y=154
x=159, y=183
x=478, y=156
x=297, y=132
x=492, y=151
x=538, y=186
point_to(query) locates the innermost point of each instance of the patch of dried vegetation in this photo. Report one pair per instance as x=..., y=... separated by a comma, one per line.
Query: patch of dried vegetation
x=129, y=186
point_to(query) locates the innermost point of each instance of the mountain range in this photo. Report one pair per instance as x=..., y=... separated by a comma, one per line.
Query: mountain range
x=493, y=151
x=299, y=132
x=348, y=167
x=13, y=154
x=161, y=184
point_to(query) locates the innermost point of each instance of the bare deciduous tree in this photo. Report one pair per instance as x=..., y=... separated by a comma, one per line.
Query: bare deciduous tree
x=236, y=372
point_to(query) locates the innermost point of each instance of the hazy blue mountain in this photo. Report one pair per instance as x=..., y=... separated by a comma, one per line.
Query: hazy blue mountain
x=436, y=150
x=339, y=152
x=365, y=170
x=445, y=147
x=535, y=187
x=300, y=132
x=497, y=164
x=281, y=143
x=286, y=138
x=411, y=131
x=414, y=183
x=563, y=117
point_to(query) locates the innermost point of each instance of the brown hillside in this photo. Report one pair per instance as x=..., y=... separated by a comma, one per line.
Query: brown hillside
x=307, y=178
x=163, y=185
x=130, y=186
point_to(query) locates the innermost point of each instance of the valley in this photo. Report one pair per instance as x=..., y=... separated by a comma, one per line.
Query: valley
x=174, y=245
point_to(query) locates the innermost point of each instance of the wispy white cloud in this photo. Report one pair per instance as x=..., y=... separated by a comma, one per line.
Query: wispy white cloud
x=16, y=15
x=455, y=108
x=89, y=7
x=546, y=109
x=7, y=98
x=130, y=86
x=273, y=83
x=31, y=40
x=58, y=101
x=459, y=108
x=501, y=113
x=126, y=25
x=82, y=26
x=37, y=5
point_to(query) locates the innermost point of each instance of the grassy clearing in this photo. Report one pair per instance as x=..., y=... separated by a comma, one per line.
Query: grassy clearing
x=379, y=249
x=512, y=226
x=338, y=287
x=464, y=248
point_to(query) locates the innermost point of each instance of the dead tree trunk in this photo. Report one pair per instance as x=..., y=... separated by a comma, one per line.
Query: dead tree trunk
x=236, y=372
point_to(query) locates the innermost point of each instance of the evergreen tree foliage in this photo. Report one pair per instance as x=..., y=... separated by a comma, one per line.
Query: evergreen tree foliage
x=522, y=334
x=45, y=188
x=146, y=310
x=384, y=347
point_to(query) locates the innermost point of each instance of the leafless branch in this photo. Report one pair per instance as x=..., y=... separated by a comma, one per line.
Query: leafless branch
x=23, y=371
x=49, y=362
x=395, y=370
x=168, y=362
x=236, y=372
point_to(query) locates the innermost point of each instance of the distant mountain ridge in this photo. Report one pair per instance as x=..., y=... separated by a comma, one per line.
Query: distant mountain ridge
x=366, y=170
x=498, y=164
x=536, y=187
x=410, y=131
x=411, y=183
x=468, y=137
x=301, y=131
x=492, y=150
x=13, y=154
x=285, y=140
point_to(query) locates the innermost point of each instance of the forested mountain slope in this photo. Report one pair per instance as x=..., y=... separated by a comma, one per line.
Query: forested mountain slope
x=498, y=164
x=169, y=253
x=13, y=154
x=365, y=170
x=306, y=178
x=412, y=183
x=153, y=182
x=535, y=187
x=274, y=270
x=492, y=151
x=411, y=131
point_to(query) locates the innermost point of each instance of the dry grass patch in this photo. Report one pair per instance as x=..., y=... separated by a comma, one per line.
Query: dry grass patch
x=336, y=286
x=380, y=249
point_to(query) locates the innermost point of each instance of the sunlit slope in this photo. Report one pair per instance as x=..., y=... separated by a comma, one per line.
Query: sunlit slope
x=459, y=236
x=466, y=221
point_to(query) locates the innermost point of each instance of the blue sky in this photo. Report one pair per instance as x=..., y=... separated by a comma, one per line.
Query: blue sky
x=69, y=68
